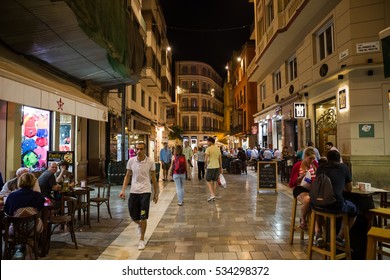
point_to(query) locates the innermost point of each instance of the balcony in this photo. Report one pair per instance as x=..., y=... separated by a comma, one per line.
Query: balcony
x=165, y=98
x=191, y=128
x=189, y=108
x=150, y=80
x=236, y=130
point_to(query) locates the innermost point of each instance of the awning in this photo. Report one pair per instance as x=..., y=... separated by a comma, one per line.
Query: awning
x=25, y=83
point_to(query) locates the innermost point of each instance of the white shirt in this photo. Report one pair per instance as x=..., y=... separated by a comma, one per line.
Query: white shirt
x=140, y=179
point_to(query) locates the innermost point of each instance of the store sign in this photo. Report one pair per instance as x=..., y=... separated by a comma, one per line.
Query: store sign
x=299, y=110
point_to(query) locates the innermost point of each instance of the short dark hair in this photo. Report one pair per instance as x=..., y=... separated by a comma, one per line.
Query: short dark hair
x=64, y=162
x=211, y=139
x=329, y=143
x=333, y=156
x=310, y=143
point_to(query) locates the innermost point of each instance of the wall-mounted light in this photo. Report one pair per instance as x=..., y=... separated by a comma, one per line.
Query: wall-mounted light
x=238, y=59
x=169, y=49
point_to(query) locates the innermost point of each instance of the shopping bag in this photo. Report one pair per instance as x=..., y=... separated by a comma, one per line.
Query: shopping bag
x=222, y=181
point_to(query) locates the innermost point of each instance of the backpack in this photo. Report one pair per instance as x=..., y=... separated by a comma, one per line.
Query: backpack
x=180, y=165
x=321, y=191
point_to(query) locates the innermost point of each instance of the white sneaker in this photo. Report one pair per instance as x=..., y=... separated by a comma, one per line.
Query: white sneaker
x=211, y=198
x=141, y=245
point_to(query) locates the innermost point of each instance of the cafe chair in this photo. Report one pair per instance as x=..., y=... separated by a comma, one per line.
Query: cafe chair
x=103, y=196
x=66, y=218
x=330, y=250
x=19, y=233
x=377, y=239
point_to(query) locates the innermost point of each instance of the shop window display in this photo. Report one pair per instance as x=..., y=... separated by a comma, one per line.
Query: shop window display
x=35, y=138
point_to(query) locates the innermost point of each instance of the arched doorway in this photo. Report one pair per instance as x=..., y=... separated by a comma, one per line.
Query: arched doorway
x=326, y=124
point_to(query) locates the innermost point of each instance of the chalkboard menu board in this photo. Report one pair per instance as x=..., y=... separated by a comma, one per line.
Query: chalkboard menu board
x=58, y=156
x=267, y=175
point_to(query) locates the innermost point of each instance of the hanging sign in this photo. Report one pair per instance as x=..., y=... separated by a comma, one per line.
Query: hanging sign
x=299, y=110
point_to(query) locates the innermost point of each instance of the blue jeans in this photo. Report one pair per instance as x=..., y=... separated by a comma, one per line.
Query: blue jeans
x=179, y=182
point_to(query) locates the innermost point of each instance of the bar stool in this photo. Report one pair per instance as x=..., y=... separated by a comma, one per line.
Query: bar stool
x=294, y=227
x=331, y=252
x=376, y=239
x=380, y=213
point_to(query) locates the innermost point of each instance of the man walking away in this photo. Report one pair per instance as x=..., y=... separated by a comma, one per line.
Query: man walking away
x=213, y=162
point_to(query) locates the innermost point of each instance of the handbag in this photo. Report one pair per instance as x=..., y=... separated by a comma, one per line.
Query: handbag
x=222, y=181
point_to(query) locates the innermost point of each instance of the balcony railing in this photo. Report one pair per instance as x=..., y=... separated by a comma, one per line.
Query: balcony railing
x=237, y=129
x=189, y=108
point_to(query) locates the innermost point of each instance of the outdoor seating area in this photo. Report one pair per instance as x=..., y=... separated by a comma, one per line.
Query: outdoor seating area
x=260, y=230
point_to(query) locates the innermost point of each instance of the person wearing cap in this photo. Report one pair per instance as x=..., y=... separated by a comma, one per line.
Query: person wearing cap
x=213, y=161
x=165, y=158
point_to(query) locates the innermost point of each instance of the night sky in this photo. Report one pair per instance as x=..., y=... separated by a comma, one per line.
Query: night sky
x=207, y=30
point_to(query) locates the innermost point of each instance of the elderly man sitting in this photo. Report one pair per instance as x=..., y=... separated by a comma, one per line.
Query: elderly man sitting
x=12, y=184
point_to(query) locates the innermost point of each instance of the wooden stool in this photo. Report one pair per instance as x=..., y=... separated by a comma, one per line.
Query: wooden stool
x=331, y=253
x=293, y=227
x=375, y=238
x=381, y=213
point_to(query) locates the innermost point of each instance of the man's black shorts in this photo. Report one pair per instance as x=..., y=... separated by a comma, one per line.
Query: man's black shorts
x=139, y=206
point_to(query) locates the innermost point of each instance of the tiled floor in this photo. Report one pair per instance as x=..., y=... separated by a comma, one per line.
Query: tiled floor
x=241, y=224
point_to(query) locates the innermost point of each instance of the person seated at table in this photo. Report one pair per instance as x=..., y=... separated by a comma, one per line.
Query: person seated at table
x=49, y=187
x=23, y=202
x=300, y=186
x=64, y=174
x=12, y=185
x=341, y=179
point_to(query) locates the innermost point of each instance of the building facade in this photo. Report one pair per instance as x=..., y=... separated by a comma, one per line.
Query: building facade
x=54, y=84
x=199, y=99
x=243, y=130
x=319, y=73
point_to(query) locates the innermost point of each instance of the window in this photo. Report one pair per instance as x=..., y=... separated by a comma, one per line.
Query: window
x=194, y=86
x=260, y=29
x=184, y=69
x=185, y=102
x=277, y=80
x=155, y=108
x=193, y=69
x=270, y=13
x=292, y=69
x=194, y=102
x=184, y=84
x=262, y=92
x=133, y=93
x=325, y=41
x=186, y=122
x=142, y=98
x=194, y=123
x=150, y=104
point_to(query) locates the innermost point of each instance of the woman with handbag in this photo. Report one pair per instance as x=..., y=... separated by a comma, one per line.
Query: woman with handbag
x=178, y=170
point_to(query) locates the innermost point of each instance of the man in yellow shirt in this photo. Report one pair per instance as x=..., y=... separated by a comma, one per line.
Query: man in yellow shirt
x=213, y=162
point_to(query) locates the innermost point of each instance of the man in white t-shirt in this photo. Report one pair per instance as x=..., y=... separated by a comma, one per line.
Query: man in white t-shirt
x=142, y=170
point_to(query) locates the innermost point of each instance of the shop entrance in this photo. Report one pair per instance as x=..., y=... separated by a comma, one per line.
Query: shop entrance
x=326, y=124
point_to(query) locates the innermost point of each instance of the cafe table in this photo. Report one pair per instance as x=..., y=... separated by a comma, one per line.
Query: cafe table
x=363, y=199
x=83, y=195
